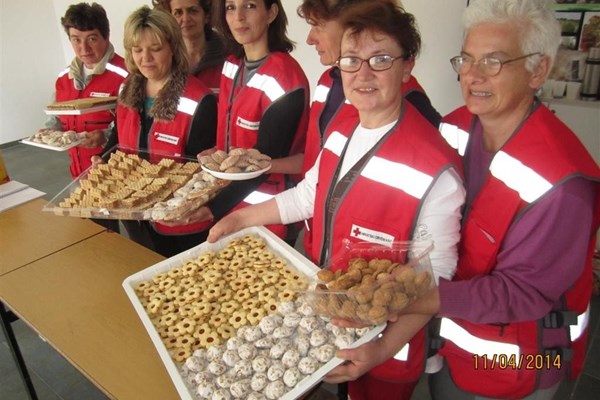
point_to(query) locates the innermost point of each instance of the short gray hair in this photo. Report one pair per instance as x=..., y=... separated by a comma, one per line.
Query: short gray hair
x=537, y=23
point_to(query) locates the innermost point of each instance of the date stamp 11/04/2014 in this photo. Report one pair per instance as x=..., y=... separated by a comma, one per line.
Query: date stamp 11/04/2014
x=516, y=361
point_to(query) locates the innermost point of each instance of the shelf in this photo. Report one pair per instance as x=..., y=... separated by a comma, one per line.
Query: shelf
x=577, y=7
x=579, y=102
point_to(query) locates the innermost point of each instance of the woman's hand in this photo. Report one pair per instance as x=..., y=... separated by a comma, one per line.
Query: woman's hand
x=96, y=160
x=200, y=215
x=358, y=361
x=92, y=139
x=228, y=224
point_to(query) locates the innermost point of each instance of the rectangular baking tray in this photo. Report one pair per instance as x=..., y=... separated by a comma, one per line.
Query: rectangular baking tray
x=295, y=261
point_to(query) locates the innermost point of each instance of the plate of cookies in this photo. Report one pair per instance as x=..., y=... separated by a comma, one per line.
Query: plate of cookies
x=237, y=165
x=229, y=321
x=54, y=140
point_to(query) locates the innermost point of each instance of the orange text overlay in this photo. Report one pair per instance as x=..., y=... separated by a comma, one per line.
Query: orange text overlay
x=513, y=361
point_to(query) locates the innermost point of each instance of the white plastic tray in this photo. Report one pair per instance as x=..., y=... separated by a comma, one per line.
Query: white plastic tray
x=295, y=261
x=50, y=147
x=88, y=110
x=235, y=176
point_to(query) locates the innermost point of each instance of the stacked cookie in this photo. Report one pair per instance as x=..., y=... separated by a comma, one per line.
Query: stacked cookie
x=54, y=138
x=236, y=161
x=269, y=359
x=199, y=190
x=368, y=291
x=125, y=185
x=205, y=300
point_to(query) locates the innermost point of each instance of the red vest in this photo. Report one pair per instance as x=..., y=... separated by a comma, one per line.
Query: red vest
x=412, y=86
x=241, y=109
x=211, y=77
x=315, y=138
x=165, y=137
x=103, y=85
x=520, y=174
x=393, y=204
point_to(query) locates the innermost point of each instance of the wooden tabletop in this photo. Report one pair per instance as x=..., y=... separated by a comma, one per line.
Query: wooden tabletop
x=28, y=234
x=74, y=299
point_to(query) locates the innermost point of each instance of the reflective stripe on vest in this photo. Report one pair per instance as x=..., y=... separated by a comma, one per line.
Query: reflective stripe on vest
x=529, y=184
x=456, y=137
x=186, y=105
x=402, y=355
x=396, y=175
x=257, y=197
x=229, y=69
x=117, y=70
x=463, y=339
x=474, y=345
x=582, y=323
x=268, y=85
x=321, y=93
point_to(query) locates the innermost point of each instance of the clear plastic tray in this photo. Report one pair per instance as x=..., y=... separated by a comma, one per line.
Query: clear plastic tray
x=142, y=190
x=295, y=261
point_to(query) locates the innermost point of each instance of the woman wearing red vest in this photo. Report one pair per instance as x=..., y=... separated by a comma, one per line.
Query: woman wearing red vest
x=326, y=34
x=96, y=71
x=514, y=319
x=263, y=101
x=204, y=46
x=384, y=175
x=162, y=109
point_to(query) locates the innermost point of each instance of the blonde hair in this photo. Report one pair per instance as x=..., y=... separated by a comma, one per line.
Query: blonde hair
x=164, y=28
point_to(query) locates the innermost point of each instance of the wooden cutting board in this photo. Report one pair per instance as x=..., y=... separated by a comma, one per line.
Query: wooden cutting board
x=80, y=104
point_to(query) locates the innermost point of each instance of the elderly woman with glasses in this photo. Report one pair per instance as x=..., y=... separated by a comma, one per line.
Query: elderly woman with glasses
x=514, y=318
x=384, y=175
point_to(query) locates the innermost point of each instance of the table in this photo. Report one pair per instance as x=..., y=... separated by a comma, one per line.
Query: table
x=74, y=299
x=28, y=234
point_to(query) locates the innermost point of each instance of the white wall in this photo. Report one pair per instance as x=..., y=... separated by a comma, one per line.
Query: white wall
x=34, y=48
x=441, y=33
x=30, y=59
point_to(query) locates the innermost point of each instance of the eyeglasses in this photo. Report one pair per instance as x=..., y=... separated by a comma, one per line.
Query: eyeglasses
x=488, y=66
x=376, y=63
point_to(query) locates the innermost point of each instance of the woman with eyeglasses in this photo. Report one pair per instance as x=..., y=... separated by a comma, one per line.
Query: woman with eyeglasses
x=326, y=34
x=385, y=175
x=514, y=319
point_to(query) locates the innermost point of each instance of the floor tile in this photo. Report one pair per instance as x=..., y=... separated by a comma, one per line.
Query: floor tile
x=50, y=369
x=592, y=360
x=45, y=170
x=588, y=388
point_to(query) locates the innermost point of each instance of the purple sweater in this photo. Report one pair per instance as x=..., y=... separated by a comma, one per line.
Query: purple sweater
x=541, y=256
